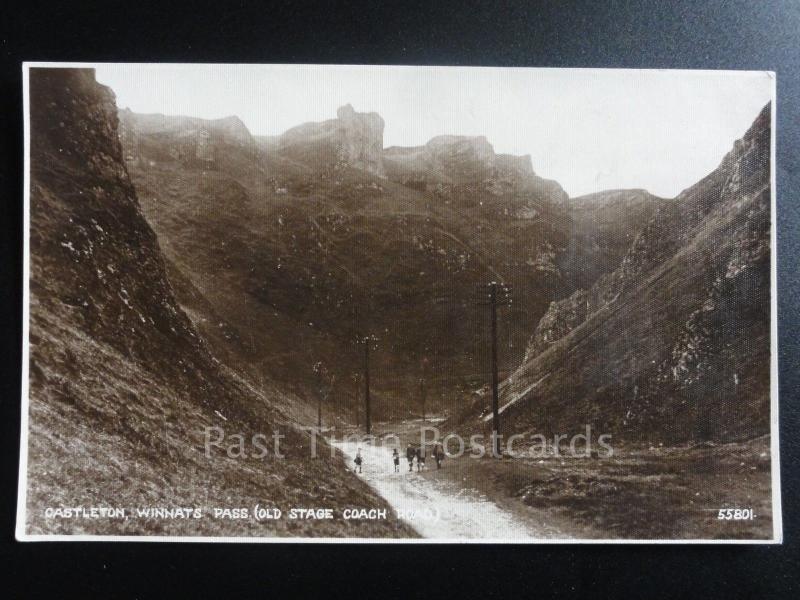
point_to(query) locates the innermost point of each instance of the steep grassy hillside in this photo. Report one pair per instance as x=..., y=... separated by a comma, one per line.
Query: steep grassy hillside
x=122, y=385
x=604, y=225
x=673, y=345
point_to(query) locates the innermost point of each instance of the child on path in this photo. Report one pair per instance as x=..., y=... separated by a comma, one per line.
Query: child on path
x=410, y=456
x=438, y=454
x=358, y=460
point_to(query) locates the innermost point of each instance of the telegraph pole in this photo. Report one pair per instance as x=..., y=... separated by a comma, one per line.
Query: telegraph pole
x=319, y=409
x=318, y=369
x=423, y=390
x=495, y=399
x=493, y=302
x=358, y=409
x=422, y=393
x=366, y=386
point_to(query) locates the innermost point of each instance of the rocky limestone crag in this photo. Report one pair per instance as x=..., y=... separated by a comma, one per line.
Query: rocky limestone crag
x=361, y=145
x=462, y=157
x=352, y=139
x=510, y=164
x=444, y=159
x=188, y=140
x=452, y=164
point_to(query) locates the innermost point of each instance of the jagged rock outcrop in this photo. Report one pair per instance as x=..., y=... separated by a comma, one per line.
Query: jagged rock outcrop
x=452, y=165
x=463, y=158
x=508, y=164
x=188, y=140
x=444, y=159
x=352, y=139
x=362, y=139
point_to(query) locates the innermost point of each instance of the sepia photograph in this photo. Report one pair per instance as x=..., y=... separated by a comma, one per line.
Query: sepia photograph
x=408, y=304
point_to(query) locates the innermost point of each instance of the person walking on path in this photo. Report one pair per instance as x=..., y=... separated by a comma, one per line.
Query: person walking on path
x=396, y=460
x=410, y=456
x=438, y=455
x=420, y=458
x=358, y=460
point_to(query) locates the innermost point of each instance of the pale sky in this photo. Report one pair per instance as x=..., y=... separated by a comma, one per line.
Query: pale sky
x=589, y=129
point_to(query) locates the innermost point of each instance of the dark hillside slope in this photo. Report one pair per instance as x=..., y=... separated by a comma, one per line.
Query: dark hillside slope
x=674, y=345
x=604, y=225
x=307, y=245
x=122, y=386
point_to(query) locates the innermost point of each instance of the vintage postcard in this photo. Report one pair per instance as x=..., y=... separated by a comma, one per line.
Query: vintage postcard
x=399, y=304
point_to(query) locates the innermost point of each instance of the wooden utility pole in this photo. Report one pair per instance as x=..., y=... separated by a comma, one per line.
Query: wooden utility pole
x=319, y=406
x=493, y=302
x=495, y=399
x=367, y=421
x=423, y=390
x=358, y=404
x=319, y=370
x=422, y=394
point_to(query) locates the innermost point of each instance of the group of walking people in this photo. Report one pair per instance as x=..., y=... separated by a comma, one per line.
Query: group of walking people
x=412, y=453
x=418, y=454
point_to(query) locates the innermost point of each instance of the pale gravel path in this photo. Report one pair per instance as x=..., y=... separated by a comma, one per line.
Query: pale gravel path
x=436, y=508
